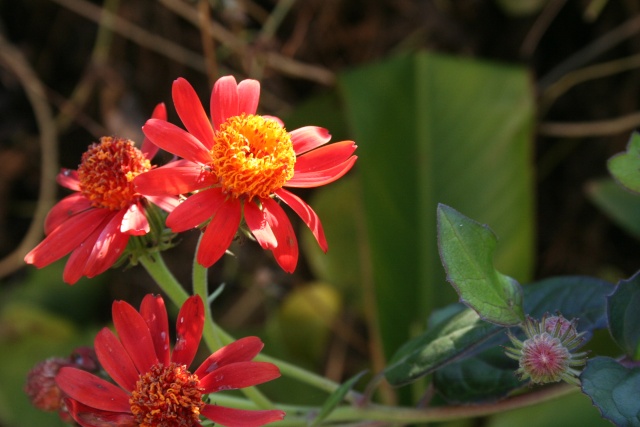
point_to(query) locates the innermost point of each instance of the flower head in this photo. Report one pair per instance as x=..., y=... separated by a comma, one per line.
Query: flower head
x=155, y=387
x=95, y=223
x=41, y=388
x=238, y=164
x=545, y=356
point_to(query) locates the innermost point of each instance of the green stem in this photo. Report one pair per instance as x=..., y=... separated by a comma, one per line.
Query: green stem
x=213, y=336
x=302, y=415
x=158, y=270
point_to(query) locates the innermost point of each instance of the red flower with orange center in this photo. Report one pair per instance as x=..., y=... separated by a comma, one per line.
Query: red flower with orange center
x=95, y=223
x=154, y=385
x=238, y=165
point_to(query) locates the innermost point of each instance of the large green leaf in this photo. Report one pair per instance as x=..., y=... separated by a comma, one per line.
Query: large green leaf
x=433, y=129
x=466, y=250
x=613, y=389
x=624, y=316
x=625, y=167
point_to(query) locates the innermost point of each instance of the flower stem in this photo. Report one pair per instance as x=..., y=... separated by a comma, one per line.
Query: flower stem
x=300, y=416
x=214, y=336
x=158, y=270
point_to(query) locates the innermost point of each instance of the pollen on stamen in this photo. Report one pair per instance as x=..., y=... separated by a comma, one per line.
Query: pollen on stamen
x=107, y=171
x=252, y=156
x=167, y=396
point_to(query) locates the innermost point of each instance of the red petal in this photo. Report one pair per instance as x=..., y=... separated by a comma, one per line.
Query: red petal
x=286, y=253
x=242, y=350
x=135, y=221
x=134, y=335
x=154, y=313
x=323, y=177
x=68, y=178
x=91, y=417
x=171, y=138
x=115, y=360
x=189, y=326
x=256, y=220
x=191, y=113
x=308, y=137
x=219, y=233
x=166, y=203
x=65, y=209
x=239, y=375
x=108, y=248
x=174, y=178
x=92, y=391
x=307, y=214
x=248, y=96
x=75, y=267
x=66, y=237
x=148, y=148
x=224, y=100
x=195, y=210
x=231, y=417
x=325, y=157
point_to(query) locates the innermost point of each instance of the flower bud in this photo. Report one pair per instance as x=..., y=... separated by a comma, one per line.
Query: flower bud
x=545, y=356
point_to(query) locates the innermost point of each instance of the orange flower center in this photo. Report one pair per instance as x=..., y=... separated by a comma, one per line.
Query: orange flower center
x=106, y=172
x=167, y=396
x=252, y=156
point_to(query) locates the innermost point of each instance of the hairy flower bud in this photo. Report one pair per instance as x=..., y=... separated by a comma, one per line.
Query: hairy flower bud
x=545, y=356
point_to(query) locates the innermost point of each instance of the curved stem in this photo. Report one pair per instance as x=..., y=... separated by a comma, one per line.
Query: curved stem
x=213, y=336
x=302, y=415
x=158, y=270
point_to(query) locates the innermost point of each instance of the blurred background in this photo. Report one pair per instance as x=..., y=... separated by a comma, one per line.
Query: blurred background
x=506, y=110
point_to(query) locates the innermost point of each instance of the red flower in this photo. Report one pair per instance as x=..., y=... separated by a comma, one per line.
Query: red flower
x=154, y=386
x=237, y=164
x=95, y=223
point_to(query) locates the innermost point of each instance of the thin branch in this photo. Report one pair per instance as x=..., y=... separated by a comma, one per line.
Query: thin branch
x=592, y=50
x=590, y=129
x=273, y=60
x=135, y=33
x=12, y=59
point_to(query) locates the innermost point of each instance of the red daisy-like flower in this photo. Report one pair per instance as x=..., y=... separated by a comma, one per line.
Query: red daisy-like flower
x=238, y=164
x=95, y=223
x=154, y=385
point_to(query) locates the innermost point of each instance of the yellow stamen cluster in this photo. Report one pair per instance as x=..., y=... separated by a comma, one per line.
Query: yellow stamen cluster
x=167, y=396
x=106, y=172
x=252, y=156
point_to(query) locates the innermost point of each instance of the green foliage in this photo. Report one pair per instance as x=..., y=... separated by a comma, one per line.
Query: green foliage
x=433, y=129
x=467, y=249
x=624, y=166
x=461, y=334
x=613, y=389
x=621, y=205
x=624, y=316
x=335, y=398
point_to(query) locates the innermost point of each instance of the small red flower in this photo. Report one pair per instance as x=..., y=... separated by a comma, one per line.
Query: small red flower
x=95, y=223
x=238, y=164
x=154, y=385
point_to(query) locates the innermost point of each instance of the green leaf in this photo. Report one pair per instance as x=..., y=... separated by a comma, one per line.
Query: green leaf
x=613, y=389
x=460, y=333
x=430, y=129
x=619, y=204
x=624, y=316
x=486, y=377
x=335, y=398
x=625, y=167
x=438, y=346
x=466, y=249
